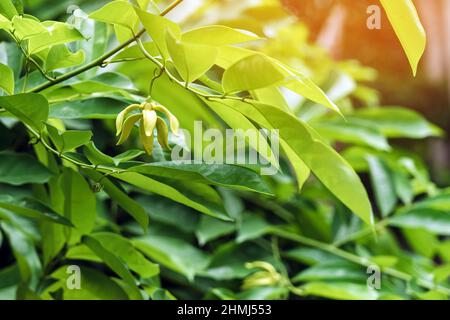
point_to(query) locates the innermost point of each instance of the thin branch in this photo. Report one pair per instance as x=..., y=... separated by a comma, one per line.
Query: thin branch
x=356, y=259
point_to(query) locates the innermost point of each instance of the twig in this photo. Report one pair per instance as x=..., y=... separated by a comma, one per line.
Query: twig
x=356, y=259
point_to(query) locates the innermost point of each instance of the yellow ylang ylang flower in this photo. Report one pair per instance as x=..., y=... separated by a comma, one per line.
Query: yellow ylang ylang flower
x=148, y=121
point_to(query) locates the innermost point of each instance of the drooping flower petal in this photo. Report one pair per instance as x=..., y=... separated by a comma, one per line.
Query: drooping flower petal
x=147, y=141
x=149, y=119
x=128, y=125
x=174, y=124
x=163, y=133
x=122, y=115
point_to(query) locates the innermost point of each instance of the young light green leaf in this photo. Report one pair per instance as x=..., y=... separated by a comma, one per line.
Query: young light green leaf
x=252, y=72
x=406, y=23
x=191, y=60
x=305, y=87
x=8, y=9
x=5, y=24
x=118, y=13
x=57, y=33
x=216, y=35
x=157, y=27
x=60, y=57
x=6, y=79
x=26, y=27
x=349, y=132
x=396, y=122
x=328, y=166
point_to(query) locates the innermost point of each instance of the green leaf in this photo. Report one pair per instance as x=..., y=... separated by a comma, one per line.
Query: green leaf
x=117, y=13
x=123, y=249
x=406, y=23
x=163, y=211
x=167, y=191
x=61, y=57
x=95, y=285
x=307, y=88
x=105, y=82
x=31, y=208
x=191, y=60
x=114, y=263
x=25, y=253
x=217, y=174
x=98, y=108
x=174, y=254
x=5, y=24
x=340, y=290
x=352, y=133
x=135, y=52
x=30, y=108
x=250, y=73
x=394, y=122
x=18, y=169
x=157, y=27
x=127, y=156
x=57, y=33
x=335, y=270
x=383, y=185
x=122, y=199
x=9, y=278
x=328, y=166
x=432, y=220
x=8, y=9
x=79, y=203
x=311, y=256
x=237, y=121
x=228, y=260
x=7, y=79
x=216, y=35
x=26, y=27
x=210, y=229
x=252, y=227
x=68, y=140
